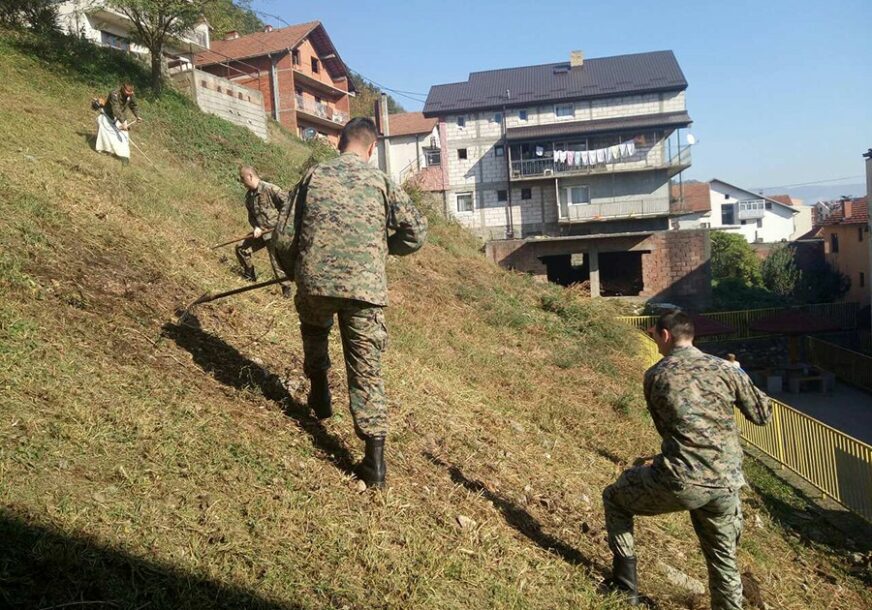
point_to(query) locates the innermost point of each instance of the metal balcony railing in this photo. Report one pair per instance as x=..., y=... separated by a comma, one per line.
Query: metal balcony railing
x=748, y=210
x=433, y=157
x=529, y=168
x=321, y=110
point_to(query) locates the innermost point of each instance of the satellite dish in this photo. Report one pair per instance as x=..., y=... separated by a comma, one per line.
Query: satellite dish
x=691, y=139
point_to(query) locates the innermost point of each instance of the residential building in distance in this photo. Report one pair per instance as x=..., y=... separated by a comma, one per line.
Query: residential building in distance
x=106, y=26
x=408, y=147
x=566, y=169
x=691, y=205
x=844, y=227
x=304, y=82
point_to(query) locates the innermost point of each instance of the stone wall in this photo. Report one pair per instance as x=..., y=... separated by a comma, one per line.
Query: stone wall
x=228, y=100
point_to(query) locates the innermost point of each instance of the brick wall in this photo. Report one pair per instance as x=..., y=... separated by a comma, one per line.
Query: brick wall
x=229, y=100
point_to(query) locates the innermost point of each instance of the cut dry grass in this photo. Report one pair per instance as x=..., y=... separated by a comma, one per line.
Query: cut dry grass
x=149, y=463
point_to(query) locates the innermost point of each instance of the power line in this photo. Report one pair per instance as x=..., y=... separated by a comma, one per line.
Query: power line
x=784, y=186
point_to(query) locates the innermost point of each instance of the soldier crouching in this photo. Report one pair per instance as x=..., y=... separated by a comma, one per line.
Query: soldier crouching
x=690, y=396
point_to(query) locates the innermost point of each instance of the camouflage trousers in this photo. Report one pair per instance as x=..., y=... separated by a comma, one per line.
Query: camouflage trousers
x=716, y=515
x=364, y=338
x=249, y=246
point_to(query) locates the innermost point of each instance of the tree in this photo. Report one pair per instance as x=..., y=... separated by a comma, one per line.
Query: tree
x=363, y=103
x=157, y=21
x=733, y=258
x=779, y=271
x=227, y=15
x=38, y=15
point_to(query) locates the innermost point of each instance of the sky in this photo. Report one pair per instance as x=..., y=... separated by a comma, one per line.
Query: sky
x=780, y=91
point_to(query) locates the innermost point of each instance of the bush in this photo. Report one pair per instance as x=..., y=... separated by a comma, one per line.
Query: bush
x=733, y=258
x=37, y=15
x=780, y=273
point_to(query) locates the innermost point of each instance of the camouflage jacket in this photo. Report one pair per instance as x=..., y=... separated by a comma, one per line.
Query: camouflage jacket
x=264, y=204
x=691, y=396
x=117, y=106
x=348, y=216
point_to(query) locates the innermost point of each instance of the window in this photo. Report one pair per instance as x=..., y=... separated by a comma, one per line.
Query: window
x=497, y=117
x=500, y=150
x=461, y=121
x=461, y=153
x=859, y=233
x=760, y=225
x=464, y=202
x=743, y=222
x=316, y=65
x=564, y=110
x=862, y=280
x=522, y=115
x=726, y=196
x=768, y=205
x=526, y=193
x=317, y=100
x=502, y=196
x=295, y=57
x=113, y=41
x=298, y=91
x=578, y=195
x=728, y=214
x=834, y=243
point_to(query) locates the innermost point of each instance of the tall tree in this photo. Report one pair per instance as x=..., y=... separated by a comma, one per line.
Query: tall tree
x=779, y=270
x=157, y=21
x=733, y=258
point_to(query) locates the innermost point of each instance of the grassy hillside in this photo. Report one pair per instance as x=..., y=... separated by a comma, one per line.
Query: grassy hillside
x=146, y=463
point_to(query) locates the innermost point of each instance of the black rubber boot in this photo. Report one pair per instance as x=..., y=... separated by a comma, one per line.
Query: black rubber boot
x=320, y=400
x=372, y=469
x=249, y=274
x=624, y=579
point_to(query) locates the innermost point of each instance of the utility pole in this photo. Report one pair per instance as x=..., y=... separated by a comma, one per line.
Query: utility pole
x=510, y=229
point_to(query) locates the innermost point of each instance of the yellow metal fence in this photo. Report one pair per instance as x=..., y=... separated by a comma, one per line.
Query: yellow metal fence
x=848, y=365
x=843, y=313
x=837, y=464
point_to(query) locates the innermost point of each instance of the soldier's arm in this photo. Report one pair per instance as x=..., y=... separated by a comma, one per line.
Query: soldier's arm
x=408, y=224
x=279, y=197
x=115, y=106
x=134, y=107
x=753, y=403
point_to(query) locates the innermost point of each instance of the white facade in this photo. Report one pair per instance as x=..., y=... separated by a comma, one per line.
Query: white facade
x=107, y=27
x=408, y=154
x=755, y=217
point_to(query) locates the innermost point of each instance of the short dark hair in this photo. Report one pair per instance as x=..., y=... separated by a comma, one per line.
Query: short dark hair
x=360, y=129
x=676, y=322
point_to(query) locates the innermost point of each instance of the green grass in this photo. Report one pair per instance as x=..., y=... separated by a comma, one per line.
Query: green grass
x=149, y=464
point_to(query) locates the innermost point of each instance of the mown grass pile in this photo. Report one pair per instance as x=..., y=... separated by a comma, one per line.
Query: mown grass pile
x=146, y=462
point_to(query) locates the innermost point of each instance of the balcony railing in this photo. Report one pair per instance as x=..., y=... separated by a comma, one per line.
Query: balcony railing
x=433, y=157
x=748, y=210
x=620, y=209
x=531, y=168
x=321, y=110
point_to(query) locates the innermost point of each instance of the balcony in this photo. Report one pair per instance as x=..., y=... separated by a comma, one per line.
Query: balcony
x=638, y=208
x=321, y=114
x=652, y=158
x=432, y=157
x=752, y=209
x=191, y=41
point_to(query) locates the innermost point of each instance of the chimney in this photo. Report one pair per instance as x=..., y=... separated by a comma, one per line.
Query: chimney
x=576, y=59
x=267, y=28
x=847, y=208
x=384, y=117
x=231, y=35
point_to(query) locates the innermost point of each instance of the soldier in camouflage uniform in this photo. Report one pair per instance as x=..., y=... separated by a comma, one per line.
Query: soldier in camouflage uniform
x=690, y=397
x=263, y=201
x=348, y=216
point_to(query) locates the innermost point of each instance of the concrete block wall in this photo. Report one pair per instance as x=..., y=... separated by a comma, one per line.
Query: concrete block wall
x=228, y=100
x=678, y=268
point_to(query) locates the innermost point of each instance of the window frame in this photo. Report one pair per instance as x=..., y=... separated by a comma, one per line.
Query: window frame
x=499, y=150
x=523, y=115
x=295, y=57
x=557, y=114
x=732, y=208
x=568, y=194
x=502, y=195
x=834, y=243
x=461, y=121
x=529, y=193
x=463, y=154
x=316, y=66
x=457, y=197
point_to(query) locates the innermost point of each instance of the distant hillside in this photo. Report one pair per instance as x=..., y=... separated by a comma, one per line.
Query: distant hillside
x=814, y=193
x=227, y=15
x=154, y=461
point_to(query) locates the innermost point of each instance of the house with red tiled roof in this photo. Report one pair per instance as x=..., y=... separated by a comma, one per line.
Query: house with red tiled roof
x=304, y=82
x=844, y=227
x=408, y=147
x=690, y=205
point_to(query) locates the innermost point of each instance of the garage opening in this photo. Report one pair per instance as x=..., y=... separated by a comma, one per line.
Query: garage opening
x=567, y=269
x=621, y=274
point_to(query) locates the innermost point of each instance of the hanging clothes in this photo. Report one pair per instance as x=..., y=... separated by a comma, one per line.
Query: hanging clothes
x=578, y=158
x=631, y=148
x=540, y=151
x=585, y=159
x=624, y=149
x=600, y=155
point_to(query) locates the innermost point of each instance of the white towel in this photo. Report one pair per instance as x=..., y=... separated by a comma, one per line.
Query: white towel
x=631, y=148
x=578, y=158
x=600, y=155
x=616, y=152
x=110, y=139
x=624, y=152
x=584, y=158
x=608, y=154
x=540, y=151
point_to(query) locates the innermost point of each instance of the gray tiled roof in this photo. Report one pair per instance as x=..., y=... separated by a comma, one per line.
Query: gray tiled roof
x=530, y=85
x=578, y=128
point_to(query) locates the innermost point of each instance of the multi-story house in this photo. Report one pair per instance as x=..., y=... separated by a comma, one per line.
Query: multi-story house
x=844, y=227
x=567, y=170
x=99, y=22
x=304, y=82
x=408, y=147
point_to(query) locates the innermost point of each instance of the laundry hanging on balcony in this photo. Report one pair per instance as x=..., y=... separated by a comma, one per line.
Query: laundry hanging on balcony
x=589, y=158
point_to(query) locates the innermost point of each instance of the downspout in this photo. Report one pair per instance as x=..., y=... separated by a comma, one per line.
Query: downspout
x=274, y=79
x=510, y=230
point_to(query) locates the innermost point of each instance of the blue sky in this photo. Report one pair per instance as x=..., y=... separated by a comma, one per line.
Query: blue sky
x=780, y=91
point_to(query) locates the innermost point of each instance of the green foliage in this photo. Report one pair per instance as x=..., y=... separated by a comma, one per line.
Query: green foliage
x=732, y=294
x=779, y=271
x=227, y=15
x=733, y=258
x=823, y=285
x=38, y=15
x=363, y=103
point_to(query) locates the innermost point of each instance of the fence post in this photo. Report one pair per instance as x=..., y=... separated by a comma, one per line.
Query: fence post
x=779, y=436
